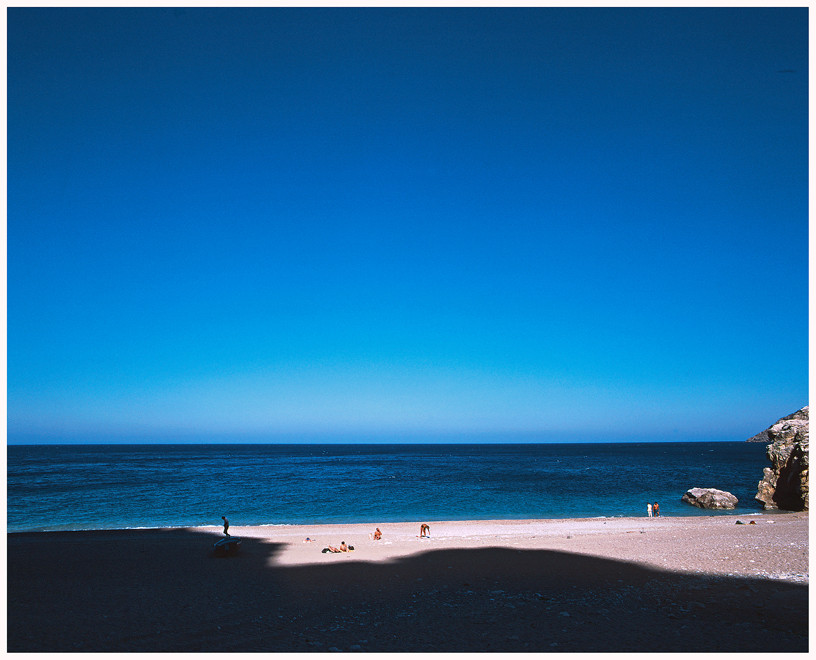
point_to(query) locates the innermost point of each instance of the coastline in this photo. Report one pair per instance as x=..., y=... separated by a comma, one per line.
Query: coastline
x=665, y=546
x=473, y=585
x=691, y=512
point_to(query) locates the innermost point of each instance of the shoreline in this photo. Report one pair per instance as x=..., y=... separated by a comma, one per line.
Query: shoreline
x=597, y=536
x=594, y=585
x=692, y=515
x=600, y=537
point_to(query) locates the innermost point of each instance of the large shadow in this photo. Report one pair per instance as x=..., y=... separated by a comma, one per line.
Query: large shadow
x=163, y=590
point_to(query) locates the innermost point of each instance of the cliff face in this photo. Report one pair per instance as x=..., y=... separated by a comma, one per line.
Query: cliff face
x=784, y=485
x=762, y=436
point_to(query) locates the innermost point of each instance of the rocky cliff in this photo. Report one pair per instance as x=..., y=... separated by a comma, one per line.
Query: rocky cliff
x=762, y=436
x=784, y=485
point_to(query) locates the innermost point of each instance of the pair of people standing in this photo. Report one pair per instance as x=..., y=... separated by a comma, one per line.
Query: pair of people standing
x=653, y=510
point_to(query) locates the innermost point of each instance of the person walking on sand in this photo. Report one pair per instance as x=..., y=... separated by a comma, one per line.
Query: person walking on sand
x=649, y=509
x=226, y=525
x=656, y=509
x=424, y=531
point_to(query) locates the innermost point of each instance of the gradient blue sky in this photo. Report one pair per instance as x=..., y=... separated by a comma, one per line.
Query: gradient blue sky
x=577, y=224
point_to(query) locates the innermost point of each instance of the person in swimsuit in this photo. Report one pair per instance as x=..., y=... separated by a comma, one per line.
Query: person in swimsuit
x=424, y=530
x=377, y=534
x=226, y=525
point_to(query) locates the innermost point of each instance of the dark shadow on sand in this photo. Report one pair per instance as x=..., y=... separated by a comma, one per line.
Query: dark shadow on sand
x=163, y=590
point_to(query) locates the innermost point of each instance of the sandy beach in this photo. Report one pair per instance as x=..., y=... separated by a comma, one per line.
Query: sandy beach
x=701, y=583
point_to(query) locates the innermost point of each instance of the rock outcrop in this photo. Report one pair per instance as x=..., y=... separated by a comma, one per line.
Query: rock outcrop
x=762, y=436
x=785, y=485
x=710, y=498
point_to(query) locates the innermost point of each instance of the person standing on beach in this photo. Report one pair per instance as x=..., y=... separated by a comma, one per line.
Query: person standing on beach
x=424, y=530
x=649, y=509
x=226, y=525
x=656, y=509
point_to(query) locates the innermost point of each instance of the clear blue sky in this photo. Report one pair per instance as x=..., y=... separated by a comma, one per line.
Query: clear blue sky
x=576, y=223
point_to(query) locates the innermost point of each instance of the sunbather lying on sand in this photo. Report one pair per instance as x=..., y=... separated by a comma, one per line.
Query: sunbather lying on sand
x=343, y=548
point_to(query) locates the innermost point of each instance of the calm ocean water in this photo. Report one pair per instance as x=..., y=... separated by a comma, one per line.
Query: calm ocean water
x=112, y=487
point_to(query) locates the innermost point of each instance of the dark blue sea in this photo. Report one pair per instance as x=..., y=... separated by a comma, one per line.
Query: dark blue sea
x=73, y=487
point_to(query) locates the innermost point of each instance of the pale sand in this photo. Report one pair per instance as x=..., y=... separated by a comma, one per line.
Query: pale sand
x=775, y=547
x=691, y=584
